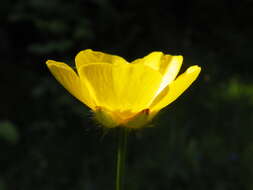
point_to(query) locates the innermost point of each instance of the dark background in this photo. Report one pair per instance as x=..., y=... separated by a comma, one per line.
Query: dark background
x=204, y=140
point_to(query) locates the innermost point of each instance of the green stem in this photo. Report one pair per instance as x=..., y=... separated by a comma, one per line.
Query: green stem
x=121, y=157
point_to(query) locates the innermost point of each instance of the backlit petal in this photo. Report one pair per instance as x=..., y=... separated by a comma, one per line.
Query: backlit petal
x=70, y=80
x=89, y=56
x=175, y=89
x=122, y=87
x=170, y=66
x=152, y=60
x=167, y=65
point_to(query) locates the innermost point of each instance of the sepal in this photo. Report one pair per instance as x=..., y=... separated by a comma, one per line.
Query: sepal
x=104, y=118
x=139, y=120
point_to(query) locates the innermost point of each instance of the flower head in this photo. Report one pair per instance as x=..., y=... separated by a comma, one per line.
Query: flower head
x=122, y=93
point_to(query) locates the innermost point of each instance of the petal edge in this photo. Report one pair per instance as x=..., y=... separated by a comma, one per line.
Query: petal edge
x=176, y=88
x=68, y=78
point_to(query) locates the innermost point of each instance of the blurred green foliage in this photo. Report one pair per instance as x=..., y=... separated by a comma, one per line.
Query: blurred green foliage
x=8, y=132
x=204, y=140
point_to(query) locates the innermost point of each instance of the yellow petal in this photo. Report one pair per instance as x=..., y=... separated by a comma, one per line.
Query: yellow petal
x=89, y=56
x=69, y=79
x=170, y=66
x=176, y=88
x=152, y=60
x=122, y=87
x=167, y=65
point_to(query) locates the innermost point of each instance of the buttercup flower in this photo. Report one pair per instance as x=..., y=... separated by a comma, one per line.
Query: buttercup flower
x=121, y=93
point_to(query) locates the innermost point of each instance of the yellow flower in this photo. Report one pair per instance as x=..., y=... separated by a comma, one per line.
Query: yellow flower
x=122, y=93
